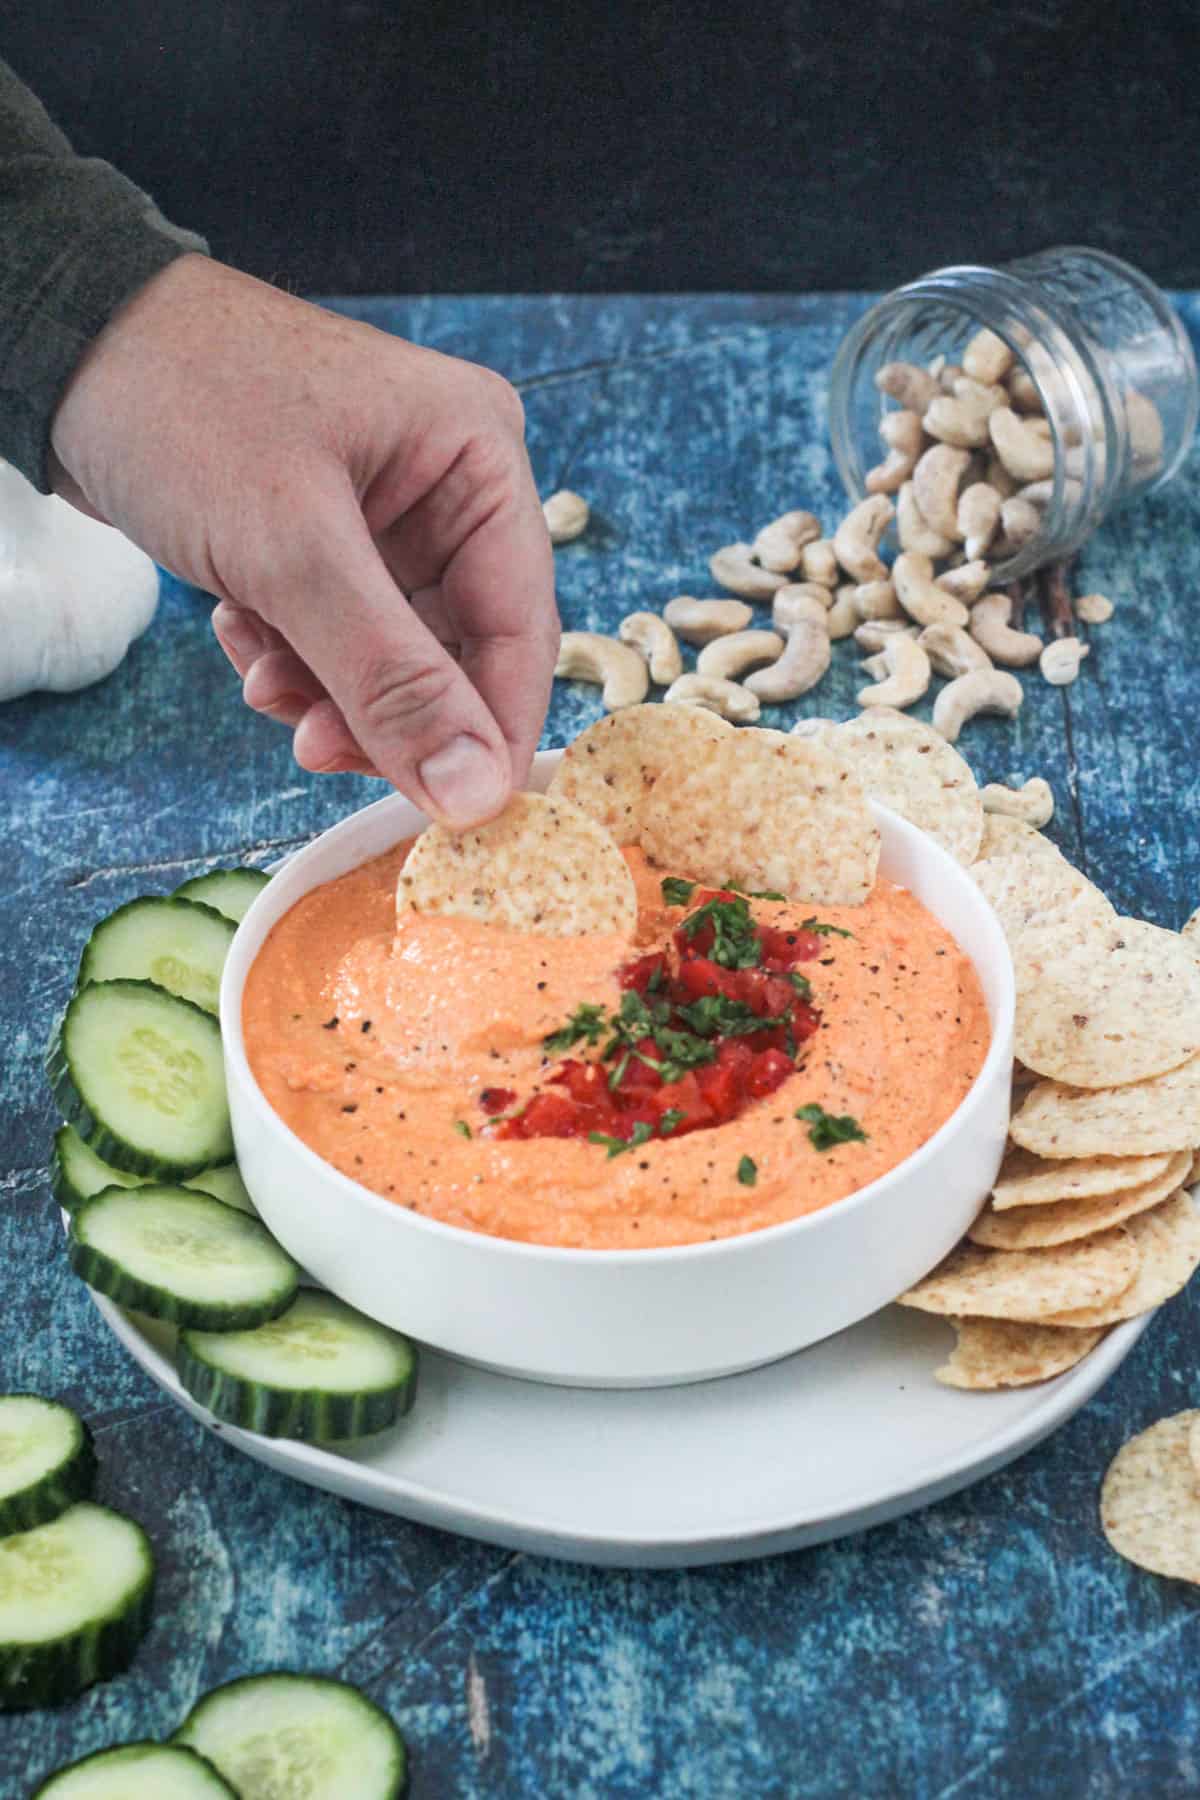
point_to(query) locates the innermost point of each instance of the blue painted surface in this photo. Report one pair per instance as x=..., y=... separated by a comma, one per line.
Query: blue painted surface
x=991, y=1645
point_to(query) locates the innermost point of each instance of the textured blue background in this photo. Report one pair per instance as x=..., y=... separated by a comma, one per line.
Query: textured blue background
x=991, y=1645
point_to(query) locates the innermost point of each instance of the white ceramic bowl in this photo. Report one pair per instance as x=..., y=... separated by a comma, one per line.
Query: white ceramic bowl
x=617, y=1318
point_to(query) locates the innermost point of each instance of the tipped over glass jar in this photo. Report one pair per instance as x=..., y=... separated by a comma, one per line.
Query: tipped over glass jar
x=1065, y=381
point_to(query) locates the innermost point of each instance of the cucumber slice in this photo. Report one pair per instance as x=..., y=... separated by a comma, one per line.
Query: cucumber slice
x=74, y=1604
x=157, y=1771
x=319, y=1371
x=181, y=1256
x=139, y=1074
x=178, y=944
x=47, y=1462
x=298, y=1737
x=229, y=891
x=76, y=1173
x=224, y=1184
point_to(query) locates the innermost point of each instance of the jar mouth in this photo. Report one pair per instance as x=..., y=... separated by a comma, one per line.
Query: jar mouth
x=1081, y=403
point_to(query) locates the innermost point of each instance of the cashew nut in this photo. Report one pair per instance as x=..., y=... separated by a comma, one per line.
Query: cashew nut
x=1093, y=609
x=856, y=540
x=1032, y=802
x=978, y=517
x=961, y=418
x=936, y=481
x=983, y=690
x=1023, y=391
x=1145, y=431
x=619, y=670
x=1040, y=493
x=965, y=581
x=987, y=357
x=819, y=564
x=920, y=595
x=875, y=666
x=805, y=659
x=734, y=568
x=913, y=528
x=800, y=601
x=902, y=433
x=653, y=637
x=953, y=651
x=566, y=515
x=730, y=657
x=1024, y=451
x=780, y=544
x=700, y=621
x=990, y=628
x=948, y=374
x=1060, y=660
x=877, y=600
x=714, y=694
x=908, y=675
x=914, y=388
x=873, y=634
x=842, y=616
x=1020, y=521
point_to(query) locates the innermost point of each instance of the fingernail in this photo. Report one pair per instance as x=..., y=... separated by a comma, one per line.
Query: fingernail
x=240, y=631
x=464, y=781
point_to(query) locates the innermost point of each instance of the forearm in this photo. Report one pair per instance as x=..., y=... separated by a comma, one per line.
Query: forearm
x=76, y=239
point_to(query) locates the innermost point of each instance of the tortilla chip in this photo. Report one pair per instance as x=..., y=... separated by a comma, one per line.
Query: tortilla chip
x=1192, y=927
x=1032, y=1227
x=1028, y=1180
x=611, y=767
x=1029, y=1284
x=1168, y=1246
x=1194, y=1445
x=1150, y=1500
x=540, y=866
x=1193, y=1174
x=1139, y=1119
x=1005, y=836
x=1006, y=1353
x=1030, y=891
x=757, y=813
x=910, y=767
x=1113, y=1008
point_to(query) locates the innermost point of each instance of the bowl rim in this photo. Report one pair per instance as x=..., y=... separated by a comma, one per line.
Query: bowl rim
x=575, y=1256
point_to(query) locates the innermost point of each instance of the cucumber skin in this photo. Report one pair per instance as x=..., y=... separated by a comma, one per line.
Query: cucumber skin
x=305, y=1413
x=219, y=1783
x=93, y=1131
x=325, y=1681
x=48, y=1674
x=108, y=1277
x=42, y=1501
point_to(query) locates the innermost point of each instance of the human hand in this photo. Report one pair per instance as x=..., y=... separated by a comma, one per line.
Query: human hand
x=363, y=509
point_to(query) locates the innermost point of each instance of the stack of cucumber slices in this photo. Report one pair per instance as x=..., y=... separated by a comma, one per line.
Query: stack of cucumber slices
x=160, y=1221
x=266, y=1737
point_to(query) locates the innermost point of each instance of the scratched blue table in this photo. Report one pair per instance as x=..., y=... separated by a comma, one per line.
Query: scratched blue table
x=991, y=1645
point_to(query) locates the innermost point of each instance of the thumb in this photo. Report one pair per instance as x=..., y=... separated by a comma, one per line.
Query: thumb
x=407, y=702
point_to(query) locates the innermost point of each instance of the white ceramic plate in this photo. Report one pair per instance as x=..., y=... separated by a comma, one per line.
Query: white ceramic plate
x=841, y=1436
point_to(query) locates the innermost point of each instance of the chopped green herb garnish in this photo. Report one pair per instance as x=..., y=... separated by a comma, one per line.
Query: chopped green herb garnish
x=822, y=929
x=673, y=1116
x=766, y=894
x=586, y=1022
x=716, y=1015
x=676, y=891
x=642, y=1133
x=827, y=1129
x=801, y=983
x=736, y=943
x=747, y=1171
x=462, y=1128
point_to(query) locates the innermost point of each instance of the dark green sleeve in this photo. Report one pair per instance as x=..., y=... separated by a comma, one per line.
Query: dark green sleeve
x=76, y=239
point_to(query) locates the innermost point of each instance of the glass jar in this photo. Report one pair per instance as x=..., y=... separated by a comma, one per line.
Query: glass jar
x=1110, y=359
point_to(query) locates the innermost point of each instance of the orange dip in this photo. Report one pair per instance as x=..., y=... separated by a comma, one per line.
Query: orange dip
x=372, y=1038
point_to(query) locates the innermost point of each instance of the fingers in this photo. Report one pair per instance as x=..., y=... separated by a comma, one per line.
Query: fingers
x=409, y=708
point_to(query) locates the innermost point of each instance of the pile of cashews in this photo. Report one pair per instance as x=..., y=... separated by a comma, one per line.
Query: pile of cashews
x=970, y=461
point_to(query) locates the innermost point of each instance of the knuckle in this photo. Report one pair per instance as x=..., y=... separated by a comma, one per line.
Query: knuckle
x=394, y=693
